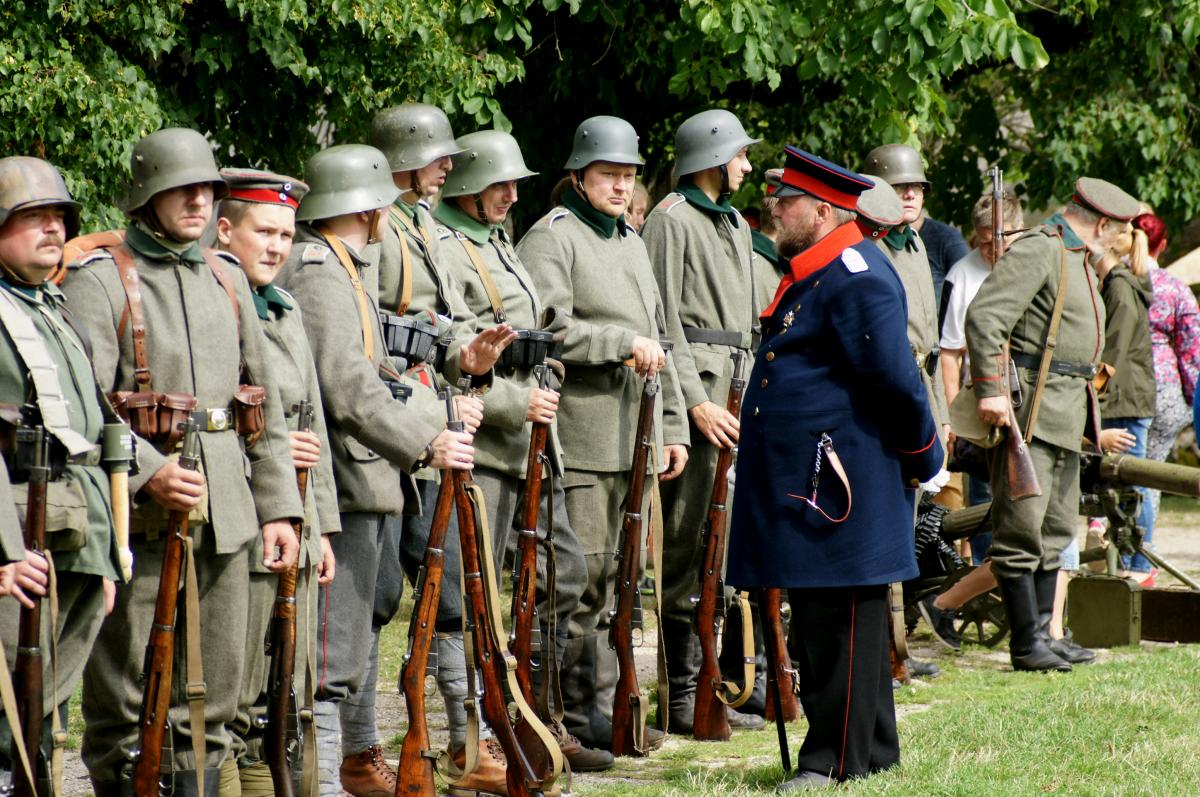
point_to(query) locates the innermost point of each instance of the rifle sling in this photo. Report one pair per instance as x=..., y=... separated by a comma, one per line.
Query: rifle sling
x=550, y=700
x=195, y=687
x=492, y=593
x=656, y=555
x=310, y=778
x=400, y=220
x=445, y=762
x=1051, y=342
x=729, y=693
x=485, y=277
x=364, y=304
x=58, y=735
x=8, y=696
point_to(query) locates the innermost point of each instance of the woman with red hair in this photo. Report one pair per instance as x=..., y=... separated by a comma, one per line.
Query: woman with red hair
x=1175, y=339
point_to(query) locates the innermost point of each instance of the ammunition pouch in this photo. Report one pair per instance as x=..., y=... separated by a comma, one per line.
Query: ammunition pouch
x=249, y=420
x=531, y=348
x=414, y=340
x=154, y=416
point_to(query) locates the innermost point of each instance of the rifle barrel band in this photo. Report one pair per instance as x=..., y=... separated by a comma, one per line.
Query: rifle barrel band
x=24, y=650
x=166, y=629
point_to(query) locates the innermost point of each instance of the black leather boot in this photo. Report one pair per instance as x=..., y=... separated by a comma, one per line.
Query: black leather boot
x=1045, y=583
x=1027, y=649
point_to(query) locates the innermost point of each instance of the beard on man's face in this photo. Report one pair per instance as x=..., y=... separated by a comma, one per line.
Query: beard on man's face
x=794, y=241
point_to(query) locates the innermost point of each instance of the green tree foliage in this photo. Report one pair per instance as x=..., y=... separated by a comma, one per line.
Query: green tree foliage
x=1049, y=90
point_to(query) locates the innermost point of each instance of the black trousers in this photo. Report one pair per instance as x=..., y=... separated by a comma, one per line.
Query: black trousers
x=839, y=643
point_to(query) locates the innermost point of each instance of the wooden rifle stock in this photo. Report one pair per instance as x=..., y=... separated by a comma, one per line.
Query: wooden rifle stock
x=415, y=770
x=160, y=650
x=27, y=672
x=530, y=763
x=281, y=645
x=524, y=603
x=710, y=722
x=629, y=710
x=778, y=658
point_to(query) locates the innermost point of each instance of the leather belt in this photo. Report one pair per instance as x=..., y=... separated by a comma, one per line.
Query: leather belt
x=927, y=361
x=717, y=337
x=1034, y=361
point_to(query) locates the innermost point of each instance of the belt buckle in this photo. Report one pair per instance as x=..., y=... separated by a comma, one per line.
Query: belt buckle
x=218, y=419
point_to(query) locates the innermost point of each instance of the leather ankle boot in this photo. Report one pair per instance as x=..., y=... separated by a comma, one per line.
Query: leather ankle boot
x=1027, y=648
x=367, y=774
x=489, y=778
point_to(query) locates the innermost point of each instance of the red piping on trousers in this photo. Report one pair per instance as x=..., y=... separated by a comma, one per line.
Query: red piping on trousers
x=849, y=684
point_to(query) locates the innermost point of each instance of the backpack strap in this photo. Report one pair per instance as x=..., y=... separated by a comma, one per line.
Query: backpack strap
x=485, y=276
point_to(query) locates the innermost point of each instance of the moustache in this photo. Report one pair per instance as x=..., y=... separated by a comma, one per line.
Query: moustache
x=53, y=240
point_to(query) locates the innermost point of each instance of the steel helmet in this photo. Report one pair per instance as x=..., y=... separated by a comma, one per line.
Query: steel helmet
x=348, y=178
x=33, y=183
x=412, y=136
x=897, y=164
x=487, y=157
x=166, y=159
x=604, y=138
x=710, y=138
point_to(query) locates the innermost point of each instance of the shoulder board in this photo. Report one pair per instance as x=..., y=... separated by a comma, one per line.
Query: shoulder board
x=443, y=232
x=287, y=296
x=92, y=257
x=228, y=257
x=555, y=216
x=314, y=253
x=425, y=204
x=670, y=202
x=853, y=261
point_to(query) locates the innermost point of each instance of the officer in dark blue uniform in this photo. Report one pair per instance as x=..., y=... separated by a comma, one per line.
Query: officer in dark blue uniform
x=836, y=432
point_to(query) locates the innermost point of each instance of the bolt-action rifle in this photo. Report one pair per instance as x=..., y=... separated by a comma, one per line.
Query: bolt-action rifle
x=33, y=447
x=710, y=722
x=533, y=757
x=770, y=606
x=415, y=770
x=281, y=740
x=160, y=650
x=629, y=707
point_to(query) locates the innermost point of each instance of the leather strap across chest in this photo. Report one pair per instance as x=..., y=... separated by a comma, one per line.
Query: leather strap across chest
x=485, y=277
x=401, y=220
x=364, y=304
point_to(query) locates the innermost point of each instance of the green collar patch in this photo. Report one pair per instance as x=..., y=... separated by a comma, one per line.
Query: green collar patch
x=1069, y=237
x=697, y=197
x=901, y=238
x=144, y=243
x=267, y=298
x=450, y=214
x=603, y=224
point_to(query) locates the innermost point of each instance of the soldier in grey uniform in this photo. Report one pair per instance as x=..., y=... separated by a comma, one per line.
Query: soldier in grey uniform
x=44, y=365
x=256, y=223
x=901, y=166
x=588, y=263
x=476, y=250
x=194, y=319
x=703, y=258
x=377, y=439
x=416, y=285
x=1014, y=307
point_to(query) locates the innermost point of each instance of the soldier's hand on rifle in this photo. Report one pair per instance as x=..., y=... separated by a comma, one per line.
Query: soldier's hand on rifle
x=716, y=423
x=1116, y=441
x=175, y=488
x=648, y=357
x=470, y=411
x=280, y=546
x=325, y=570
x=674, y=457
x=543, y=405
x=452, y=450
x=22, y=579
x=994, y=410
x=306, y=449
x=480, y=355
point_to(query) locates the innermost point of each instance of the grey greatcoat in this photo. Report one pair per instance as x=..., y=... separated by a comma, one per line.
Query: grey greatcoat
x=195, y=344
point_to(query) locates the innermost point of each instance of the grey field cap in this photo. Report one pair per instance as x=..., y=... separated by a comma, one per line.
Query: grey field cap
x=170, y=158
x=896, y=163
x=879, y=204
x=348, y=178
x=487, y=157
x=708, y=139
x=34, y=183
x=604, y=138
x=412, y=135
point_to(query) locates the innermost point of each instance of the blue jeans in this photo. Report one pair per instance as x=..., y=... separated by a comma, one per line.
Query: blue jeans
x=978, y=492
x=1138, y=427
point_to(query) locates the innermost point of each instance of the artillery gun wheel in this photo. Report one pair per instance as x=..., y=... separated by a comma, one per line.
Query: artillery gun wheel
x=982, y=620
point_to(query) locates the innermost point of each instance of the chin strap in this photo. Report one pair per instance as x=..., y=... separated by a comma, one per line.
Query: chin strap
x=724, y=179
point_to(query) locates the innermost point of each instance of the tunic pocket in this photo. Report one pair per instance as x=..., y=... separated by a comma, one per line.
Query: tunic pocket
x=66, y=514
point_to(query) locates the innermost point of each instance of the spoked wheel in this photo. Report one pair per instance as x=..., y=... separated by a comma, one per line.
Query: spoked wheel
x=982, y=620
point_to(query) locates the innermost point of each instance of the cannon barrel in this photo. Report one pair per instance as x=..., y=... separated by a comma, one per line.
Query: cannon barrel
x=1174, y=479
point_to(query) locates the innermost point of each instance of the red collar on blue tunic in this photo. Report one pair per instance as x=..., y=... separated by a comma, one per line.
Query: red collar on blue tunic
x=815, y=258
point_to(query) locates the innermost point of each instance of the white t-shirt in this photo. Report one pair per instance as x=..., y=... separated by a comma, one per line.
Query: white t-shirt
x=964, y=277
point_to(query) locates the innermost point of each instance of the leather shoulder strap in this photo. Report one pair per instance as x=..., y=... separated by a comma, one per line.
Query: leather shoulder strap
x=485, y=276
x=218, y=271
x=133, y=314
x=364, y=304
x=1051, y=341
x=399, y=220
